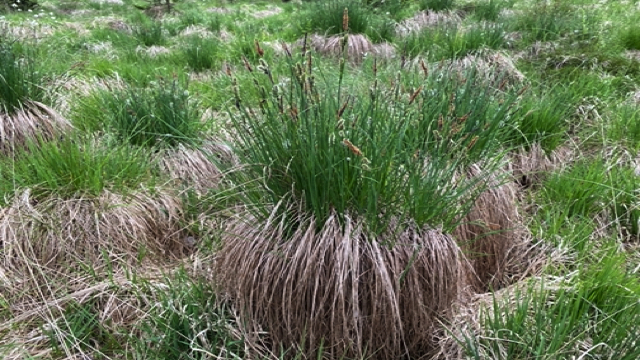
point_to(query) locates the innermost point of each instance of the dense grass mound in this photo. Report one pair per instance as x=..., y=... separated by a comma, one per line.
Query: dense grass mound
x=23, y=116
x=88, y=205
x=338, y=288
x=491, y=232
x=348, y=201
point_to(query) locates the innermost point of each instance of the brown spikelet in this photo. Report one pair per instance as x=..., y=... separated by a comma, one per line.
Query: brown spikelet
x=463, y=118
x=523, y=90
x=472, y=142
x=259, y=49
x=246, y=64
x=354, y=149
x=425, y=70
x=452, y=104
x=345, y=20
x=285, y=47
x=440, y=121
x=415, y=95
x=227, y=69
x=293, y=113
x=342, y=108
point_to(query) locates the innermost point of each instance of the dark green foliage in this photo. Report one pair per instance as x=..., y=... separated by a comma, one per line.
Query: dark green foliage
x=630, y=37
x=201, y=53
x=19, y=76
x=450, y=42
x=163, y=115
x=488, y=9
x=150, y=33
x=380, y=155
x=17, y=5
x=326, y=17
x=436, y=5
x=546, y=21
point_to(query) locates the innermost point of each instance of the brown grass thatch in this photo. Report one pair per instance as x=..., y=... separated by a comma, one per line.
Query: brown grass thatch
x=34, y=121
x=196, y=168
x=530, y=166
x=490, y=232
x=427, y=19
x=358, y=46
x=339, y=287
x=59, y=235
x=493, y=68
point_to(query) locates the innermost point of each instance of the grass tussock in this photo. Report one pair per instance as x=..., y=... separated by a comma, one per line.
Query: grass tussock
x=23, y=116
x=87, y=232
x=357, y=47
x=322, y=185
x=367, y=298
x=195, y=168
x=161, y=115
x=490, y=232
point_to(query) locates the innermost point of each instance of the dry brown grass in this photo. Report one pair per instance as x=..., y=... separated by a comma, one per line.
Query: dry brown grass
x=339, y=288
x=490, y=232
x=494, y=68
x=426, y=19
x=196, y=168
x=116, y=300
x=529, y=167
x=34, y=121
x=358, y=46
x=59, y=235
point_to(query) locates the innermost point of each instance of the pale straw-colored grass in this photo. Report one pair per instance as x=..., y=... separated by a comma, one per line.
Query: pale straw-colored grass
x=34, y=121
x=338, y=287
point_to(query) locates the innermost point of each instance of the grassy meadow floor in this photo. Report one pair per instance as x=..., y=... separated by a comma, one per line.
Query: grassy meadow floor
x=116, y=201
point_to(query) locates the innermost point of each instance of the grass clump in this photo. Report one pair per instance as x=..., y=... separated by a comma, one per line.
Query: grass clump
x=340, y=163
x=200, y=53
x=542, y=120
x=598, y=306
x=488, y=10
x=19, y=77
x=80, y=328
x=624, y=126
x=630, y=37
x=187, y=323
x=161, y=115
x=73, y=167
x=580, y=190
x=450, y=42
x=548, y=21
x=436, y=5
x=327, y=18
x=149, y=32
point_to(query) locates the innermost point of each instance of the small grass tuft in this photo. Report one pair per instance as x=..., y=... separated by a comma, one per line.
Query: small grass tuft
x=630, y=37
x=73, y=166
x=201, y=53
x=19, y=77
x=436, y=5
x=162, y=115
